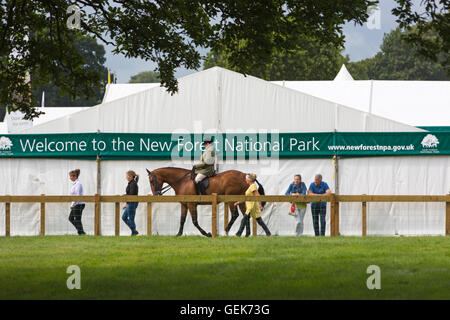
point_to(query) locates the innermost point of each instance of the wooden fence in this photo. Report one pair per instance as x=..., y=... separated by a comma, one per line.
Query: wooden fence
x=215, y=199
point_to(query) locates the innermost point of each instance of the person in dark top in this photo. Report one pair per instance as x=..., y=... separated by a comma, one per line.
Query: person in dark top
x=130, y=207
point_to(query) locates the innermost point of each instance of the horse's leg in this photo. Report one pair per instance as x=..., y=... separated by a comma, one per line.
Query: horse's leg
x=234, y=215
x=193, y=210
x=182, y=219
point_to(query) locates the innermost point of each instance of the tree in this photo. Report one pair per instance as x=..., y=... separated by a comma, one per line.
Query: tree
x=397, y=60
x=94, y=55
x=35, y=38
x=310, y=60
x=360, y=69
x=427, y=29
x=2, y=113
x=145, y=77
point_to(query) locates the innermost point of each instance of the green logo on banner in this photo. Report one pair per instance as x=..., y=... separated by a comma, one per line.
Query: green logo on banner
x=5, y=146
x=430, y=144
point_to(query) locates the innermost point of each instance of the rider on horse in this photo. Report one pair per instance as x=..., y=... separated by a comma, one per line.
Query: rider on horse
x=206, y=166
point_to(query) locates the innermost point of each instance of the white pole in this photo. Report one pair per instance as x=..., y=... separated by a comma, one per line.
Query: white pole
x=219, y=107
x=43, y=99
x=371, y=96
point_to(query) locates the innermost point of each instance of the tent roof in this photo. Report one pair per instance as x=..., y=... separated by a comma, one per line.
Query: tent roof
x=222, y=100
x=417, y=103
x=343, y=75
x=51, y=113
x=116, y=91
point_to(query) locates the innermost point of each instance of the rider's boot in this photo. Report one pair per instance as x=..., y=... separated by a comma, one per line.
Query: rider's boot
x=202, y=188
x=197, y=188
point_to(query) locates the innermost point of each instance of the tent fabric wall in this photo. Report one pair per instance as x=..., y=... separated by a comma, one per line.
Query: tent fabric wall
x=45, y=176
x=419, y=175
x=51, y=177
x=374, y=176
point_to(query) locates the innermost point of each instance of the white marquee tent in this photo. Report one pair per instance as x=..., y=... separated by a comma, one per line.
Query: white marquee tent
x=116, y=91
x=218, y=99
x=50, y=113
x=417, y=103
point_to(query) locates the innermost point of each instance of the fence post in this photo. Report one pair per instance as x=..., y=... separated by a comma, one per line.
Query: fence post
x=255, y=227
x=332, y=215
x=364, y=218
x=117, y=219
x=149, y=218
x=7, y=219
x=42, y=232
x=337, y=217
x=97, y=215
x=447, y=216
x=214, y=215
x=225, y=215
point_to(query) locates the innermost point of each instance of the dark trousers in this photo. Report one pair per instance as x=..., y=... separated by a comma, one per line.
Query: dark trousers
x=129, y=214
x=245, y=223
x=75, y=217
x=319, y=212
x=263, y=225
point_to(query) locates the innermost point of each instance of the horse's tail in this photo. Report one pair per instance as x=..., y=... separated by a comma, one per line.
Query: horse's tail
x=261, y=191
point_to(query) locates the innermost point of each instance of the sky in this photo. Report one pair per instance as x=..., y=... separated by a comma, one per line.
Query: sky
x=361, y=42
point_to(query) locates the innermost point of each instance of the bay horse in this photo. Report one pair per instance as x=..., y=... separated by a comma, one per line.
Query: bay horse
x=231, y=182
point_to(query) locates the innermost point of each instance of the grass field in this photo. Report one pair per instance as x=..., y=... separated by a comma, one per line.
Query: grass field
x=161, y=267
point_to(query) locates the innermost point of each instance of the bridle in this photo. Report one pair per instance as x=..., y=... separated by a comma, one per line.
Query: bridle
x=154, y=183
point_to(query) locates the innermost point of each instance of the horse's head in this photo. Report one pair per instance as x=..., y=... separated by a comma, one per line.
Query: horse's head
x=156, y=182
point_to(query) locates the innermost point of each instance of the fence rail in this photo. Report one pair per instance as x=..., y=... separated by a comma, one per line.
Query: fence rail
x=215, y=199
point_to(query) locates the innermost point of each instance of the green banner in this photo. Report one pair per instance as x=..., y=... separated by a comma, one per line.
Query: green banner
x=391, y=143
x=258, y=145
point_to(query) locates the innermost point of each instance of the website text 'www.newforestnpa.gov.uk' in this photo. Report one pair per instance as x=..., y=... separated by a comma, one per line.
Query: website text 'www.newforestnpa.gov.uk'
x=371, y=148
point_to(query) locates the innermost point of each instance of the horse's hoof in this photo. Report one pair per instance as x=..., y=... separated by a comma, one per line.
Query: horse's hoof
x=209, y=235
x=179, y=235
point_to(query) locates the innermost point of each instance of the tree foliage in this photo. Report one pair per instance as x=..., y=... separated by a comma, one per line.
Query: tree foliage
x=397, y=60
x=427, y=28
x=309, y=60
x=34, y=37
x=145, y=77
x=94, y=55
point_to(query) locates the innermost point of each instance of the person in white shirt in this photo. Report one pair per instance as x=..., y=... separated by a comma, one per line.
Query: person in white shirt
x=76, y=208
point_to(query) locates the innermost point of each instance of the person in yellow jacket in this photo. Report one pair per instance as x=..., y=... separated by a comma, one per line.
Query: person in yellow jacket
x=253, y=208
x=205, y=168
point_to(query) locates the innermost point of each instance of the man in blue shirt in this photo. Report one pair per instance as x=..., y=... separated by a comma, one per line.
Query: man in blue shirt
x=318, y=209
